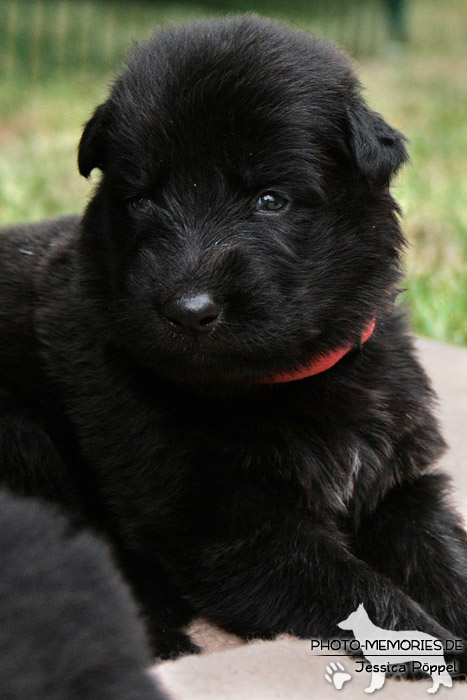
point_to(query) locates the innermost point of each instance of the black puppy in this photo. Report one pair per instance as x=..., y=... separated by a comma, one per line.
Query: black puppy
x=209, y=366
x=68, y=626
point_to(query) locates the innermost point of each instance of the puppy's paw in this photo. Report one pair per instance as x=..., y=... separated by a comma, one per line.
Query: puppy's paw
x=460, y=663
x=172, y=644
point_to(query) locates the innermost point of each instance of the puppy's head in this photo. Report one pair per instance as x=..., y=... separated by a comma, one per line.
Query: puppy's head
x=243, y=223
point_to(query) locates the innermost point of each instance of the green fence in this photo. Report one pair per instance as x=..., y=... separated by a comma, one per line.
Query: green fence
x=39, y=38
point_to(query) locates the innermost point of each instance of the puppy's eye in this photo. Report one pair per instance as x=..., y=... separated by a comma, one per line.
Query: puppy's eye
x=270, y=201
x=140, y=204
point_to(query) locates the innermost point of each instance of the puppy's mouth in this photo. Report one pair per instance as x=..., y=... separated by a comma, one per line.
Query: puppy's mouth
x=208, y=366
x=195, y=343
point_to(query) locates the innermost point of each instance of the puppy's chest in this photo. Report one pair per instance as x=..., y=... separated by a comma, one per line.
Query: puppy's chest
x=203, y=472
x=265, y=475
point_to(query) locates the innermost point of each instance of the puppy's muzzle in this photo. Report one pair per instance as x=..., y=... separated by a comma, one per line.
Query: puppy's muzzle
x=196, y=313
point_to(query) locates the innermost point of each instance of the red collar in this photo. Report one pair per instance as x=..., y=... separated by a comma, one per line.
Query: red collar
x=321, y=363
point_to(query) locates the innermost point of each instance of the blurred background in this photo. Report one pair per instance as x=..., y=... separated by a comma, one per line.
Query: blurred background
x=57, y=58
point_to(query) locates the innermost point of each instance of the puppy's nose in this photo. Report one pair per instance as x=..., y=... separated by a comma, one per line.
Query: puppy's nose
x=195, y=313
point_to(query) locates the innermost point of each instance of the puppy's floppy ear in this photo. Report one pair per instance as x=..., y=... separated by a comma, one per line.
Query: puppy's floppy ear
x=92, y=146
x=377, y=149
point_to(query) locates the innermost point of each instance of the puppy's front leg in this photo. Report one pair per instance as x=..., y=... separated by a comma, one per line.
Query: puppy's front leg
x=298, y=579
x=416, y=538
x=162, y=608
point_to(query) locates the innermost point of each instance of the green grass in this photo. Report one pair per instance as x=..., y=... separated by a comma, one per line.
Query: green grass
x=424, y=93
x=48, y=89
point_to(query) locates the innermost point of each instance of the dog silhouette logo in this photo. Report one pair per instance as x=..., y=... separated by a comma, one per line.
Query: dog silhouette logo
x=385, y=649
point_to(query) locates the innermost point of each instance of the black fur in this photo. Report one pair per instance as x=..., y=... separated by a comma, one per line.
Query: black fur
x=68, y=626
x=265, y=507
